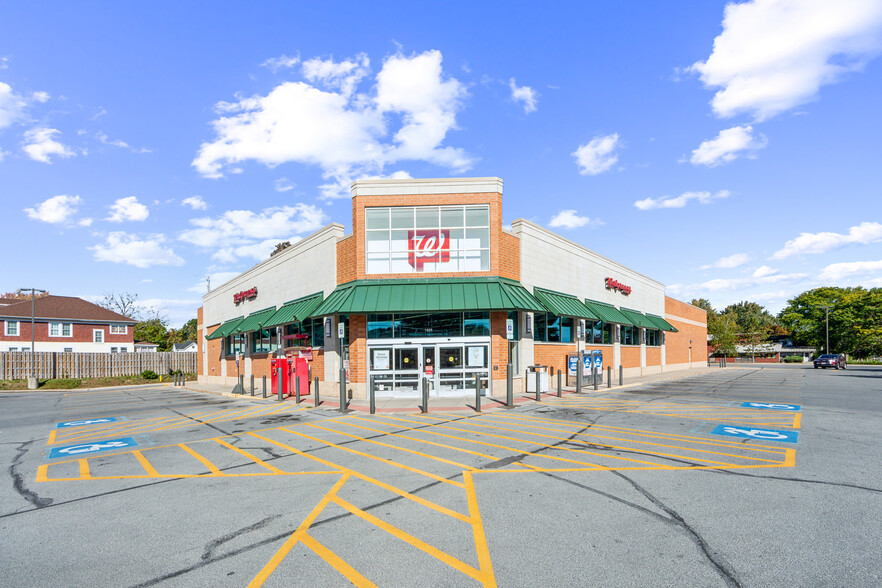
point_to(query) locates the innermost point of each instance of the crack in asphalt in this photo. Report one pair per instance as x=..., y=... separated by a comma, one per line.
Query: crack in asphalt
x=18, y=480
x=719, y=563
x=785, y=479
x=210, y=547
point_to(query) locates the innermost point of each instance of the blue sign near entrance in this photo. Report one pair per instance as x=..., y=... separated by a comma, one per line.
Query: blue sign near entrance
x=749, y=432
x=587, y=358
x=85, y=422
x=770, y=406
x=84, y=449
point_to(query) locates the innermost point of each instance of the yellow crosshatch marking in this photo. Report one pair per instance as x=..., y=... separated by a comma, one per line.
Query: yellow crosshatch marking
x=443, y=448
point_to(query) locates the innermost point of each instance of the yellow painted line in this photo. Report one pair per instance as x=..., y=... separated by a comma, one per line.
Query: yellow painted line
x=277, y=558
x=485, y=563
x=42, y=471
x=505, y=448
x=52, y=435
x=84, y=469
x=395, y=447
x=336, y=562
x=410, y=539
x=148, y=467
x=593, y=435
x=636, y=468
x=211, y=467
x=91, y=428
x=374, y=457
x=366, y=478
x=797, y=420
x=176, y=476
x=250, y=456
x=112, y=430
x=452, y=447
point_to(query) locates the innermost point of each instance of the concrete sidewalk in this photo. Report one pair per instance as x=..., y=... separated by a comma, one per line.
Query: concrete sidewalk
x=329, y=394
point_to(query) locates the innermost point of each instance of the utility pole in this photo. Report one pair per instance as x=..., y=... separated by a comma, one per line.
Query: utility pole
x=33, y=313
x=827, y=323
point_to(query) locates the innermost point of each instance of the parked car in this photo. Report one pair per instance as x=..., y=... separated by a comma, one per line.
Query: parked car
x=830, y=360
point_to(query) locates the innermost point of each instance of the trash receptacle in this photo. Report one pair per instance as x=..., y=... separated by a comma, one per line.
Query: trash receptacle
x=542, y=370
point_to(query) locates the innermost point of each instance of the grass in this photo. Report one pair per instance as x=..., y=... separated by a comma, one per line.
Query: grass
x=71, y=383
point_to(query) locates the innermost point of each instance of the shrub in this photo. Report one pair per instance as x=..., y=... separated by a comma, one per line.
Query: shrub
x=174, y=372
x=149, y=375
x=62, y=384
x=792, y=359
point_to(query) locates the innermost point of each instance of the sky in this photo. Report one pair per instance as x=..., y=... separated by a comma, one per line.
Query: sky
x=728, y=150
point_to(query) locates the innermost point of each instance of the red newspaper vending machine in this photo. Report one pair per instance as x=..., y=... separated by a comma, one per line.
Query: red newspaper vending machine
x=287, y=367
x=301, y=372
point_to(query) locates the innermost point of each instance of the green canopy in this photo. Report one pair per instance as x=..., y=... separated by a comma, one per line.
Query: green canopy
x=225, y=329
x=254, y=321
x=607, y=312
x=428, y=295
x=294, y=310
x=564, y=304
x=638, y=319
x=661, y=323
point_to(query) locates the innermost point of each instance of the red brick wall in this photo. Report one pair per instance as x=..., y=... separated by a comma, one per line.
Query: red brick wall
x=346, y=266
x=509, y=256
x=554, y=355
x=498, y=346
x=215, y=354
x=630, y=356
x=677, y=344
x=357, y=348
x=653, y=356
x=80, y=333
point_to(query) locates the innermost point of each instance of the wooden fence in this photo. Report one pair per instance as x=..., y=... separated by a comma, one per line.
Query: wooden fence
x=16, y=365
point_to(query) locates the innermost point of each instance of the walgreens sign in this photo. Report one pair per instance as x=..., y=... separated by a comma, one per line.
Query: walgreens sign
x=245, y=295
x=427, y=246
x=612, y=284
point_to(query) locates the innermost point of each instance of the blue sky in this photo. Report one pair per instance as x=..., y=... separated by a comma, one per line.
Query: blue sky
x=730, y=151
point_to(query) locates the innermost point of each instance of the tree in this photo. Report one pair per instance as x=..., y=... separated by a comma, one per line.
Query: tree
x=23, y=295
x=724, y=333
x=704, y=304
x=750, y=316
x=153, y=331
x=188, y=331
x=124, y=303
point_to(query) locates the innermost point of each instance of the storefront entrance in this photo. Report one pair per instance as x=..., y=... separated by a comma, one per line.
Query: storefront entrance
x=450, y=367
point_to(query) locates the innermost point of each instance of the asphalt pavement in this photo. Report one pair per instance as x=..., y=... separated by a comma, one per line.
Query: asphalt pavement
x=743, y=476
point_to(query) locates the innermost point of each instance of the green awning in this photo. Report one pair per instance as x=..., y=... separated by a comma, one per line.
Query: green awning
x=254, y=321
x=661, y=323
x=638, y=319
x=607, y=312
x=294, y=310
x=225, y=329
x=564, y=304
x=427, y=295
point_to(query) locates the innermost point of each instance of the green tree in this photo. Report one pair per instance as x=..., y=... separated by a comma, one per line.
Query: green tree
x=153, y=331
x=724, y=333
x=188, y=331
x=704, y=304
x=750, y=316
x=855, y=319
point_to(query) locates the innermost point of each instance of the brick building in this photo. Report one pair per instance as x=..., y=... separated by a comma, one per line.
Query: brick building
x=64, y=324
x=429, y=284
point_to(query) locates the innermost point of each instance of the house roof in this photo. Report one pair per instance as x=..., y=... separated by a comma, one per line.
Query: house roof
x=63, y=308
x=145, y=344
x=183, y=345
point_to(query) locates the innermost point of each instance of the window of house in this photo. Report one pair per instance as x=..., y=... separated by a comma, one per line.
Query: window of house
x=13, y=348
x=12, y=328
x=114, y=350
x=98, y=336
x=118, y=329
x=68, y=349
x=123, y=349
x=59, y=329
x=653, y=337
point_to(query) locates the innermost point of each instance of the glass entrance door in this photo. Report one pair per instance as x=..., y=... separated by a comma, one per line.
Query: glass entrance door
x=449, y=367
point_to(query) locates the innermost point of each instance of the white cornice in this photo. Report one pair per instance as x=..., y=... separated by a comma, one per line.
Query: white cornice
x=388, y=187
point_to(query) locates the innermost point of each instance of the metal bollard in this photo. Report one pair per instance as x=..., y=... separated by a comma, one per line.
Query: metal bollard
x=559, y=383
x=621, y=374
x=609, y=376
x=279, y=378
x=242, y=383
x=509, y=388
x=252, y=384
x=537, y=385
x=316, y=392
x=579, y=368
x=594, y=374
x=297, y=388
x=264, y=386
x=425, y=406
x=373, y=395
x=343, y=403
x=477, y=393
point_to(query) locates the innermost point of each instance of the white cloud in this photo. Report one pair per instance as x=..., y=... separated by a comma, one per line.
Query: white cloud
x=115, y=142
x=85, y=222
x=524, y=94
x=764, y=271
x=283, y=185
x=177, y=311
x=194, y=202
x=39, y=145
x=215, y=279
x=837, y=271
x=283, y=61
x=128, y=209
x=243, y=233
x=732, y=284
x=729, y=262
x=774, y=55
x=12, y=106
x=597, y=156
x=863, y=233
x=121, y=247
x=727, y=146
x=681, y=200
x=41, y=97
x=568, y=219
x=343, y=132
x=55, y=210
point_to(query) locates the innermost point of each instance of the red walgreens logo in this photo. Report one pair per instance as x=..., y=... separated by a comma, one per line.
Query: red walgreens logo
x=245, y=294
x=615, y=285
x=427, y=246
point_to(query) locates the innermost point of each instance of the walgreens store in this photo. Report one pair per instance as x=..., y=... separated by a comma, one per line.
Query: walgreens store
x=430, y=285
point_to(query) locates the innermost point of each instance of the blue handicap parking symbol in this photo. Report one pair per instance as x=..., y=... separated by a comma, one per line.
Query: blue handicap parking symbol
x=771, y=406
x=93, y=447
x=749, y=432
x=86, y=422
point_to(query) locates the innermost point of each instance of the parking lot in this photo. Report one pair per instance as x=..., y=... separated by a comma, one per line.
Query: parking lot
x=742, y=476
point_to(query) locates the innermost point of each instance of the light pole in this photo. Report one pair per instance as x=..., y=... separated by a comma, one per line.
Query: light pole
x=33, y=312
x=827, y=327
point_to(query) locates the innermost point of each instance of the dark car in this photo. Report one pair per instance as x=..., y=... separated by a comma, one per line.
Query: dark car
x=830, y=360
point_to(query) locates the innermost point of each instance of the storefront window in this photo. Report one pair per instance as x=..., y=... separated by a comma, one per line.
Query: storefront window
x=653, y=337
x=552, y=328
x=476, y=324
x=314, y=329
x=236, y=344
x=630, y=335
x=599, y=332
x=439, y=324
x=263, y=341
